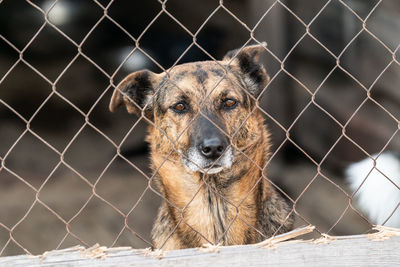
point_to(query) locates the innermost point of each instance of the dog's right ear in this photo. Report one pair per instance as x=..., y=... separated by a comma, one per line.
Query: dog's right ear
x=136, y=92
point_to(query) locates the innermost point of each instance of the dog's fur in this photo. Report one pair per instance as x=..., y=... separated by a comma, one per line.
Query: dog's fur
x=225, y=200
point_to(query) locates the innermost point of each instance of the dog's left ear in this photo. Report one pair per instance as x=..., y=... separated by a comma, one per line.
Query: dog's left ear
x=247, y=61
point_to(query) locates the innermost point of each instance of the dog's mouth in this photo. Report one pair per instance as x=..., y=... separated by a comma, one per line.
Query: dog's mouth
x=212, y=169
x=197, y=163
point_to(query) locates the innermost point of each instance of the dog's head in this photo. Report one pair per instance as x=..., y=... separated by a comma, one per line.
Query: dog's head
x=203, y=111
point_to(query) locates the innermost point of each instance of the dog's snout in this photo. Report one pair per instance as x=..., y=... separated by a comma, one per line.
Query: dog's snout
x=212, y=148
x=208, y=138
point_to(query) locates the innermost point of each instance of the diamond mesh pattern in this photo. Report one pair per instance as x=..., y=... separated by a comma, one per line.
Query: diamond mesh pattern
x=93, y=183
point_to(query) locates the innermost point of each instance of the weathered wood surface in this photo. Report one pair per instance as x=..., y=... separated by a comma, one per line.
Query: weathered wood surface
x=378, y=249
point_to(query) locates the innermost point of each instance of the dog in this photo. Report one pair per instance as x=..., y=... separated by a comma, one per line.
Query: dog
x=209, y=147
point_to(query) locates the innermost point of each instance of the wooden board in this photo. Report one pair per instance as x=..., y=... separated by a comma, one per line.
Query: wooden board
x=378, y=249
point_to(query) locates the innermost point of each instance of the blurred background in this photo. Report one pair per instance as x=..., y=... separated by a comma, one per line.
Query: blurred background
x=82, y=84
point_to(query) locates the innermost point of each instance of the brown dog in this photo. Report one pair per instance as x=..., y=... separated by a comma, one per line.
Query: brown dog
x=209, y=146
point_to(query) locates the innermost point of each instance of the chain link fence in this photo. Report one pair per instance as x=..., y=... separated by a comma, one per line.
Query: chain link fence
x=131, y=207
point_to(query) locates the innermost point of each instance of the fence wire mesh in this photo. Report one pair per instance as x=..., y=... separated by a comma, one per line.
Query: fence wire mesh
x=16, y=242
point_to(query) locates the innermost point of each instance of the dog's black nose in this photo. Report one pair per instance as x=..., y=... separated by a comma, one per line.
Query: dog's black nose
x=212, y=148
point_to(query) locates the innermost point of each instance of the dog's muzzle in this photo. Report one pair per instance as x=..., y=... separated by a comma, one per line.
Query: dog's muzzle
x=196, y=161
x=209, y=151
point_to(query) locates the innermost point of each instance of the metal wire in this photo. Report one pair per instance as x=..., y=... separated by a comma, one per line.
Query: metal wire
x=87, y=123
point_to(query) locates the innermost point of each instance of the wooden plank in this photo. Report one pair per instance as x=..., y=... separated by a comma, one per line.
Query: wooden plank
x=378, y=249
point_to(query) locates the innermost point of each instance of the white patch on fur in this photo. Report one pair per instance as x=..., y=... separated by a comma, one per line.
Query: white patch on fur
x=251, y=84
x=148, y=99
x=197, y=163
x=377, y=197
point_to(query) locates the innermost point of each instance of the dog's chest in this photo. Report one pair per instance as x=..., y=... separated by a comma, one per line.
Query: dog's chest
x=214, y=218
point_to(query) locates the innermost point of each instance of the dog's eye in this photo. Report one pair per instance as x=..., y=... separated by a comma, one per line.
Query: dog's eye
x=229, y=103
x=179, y=107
